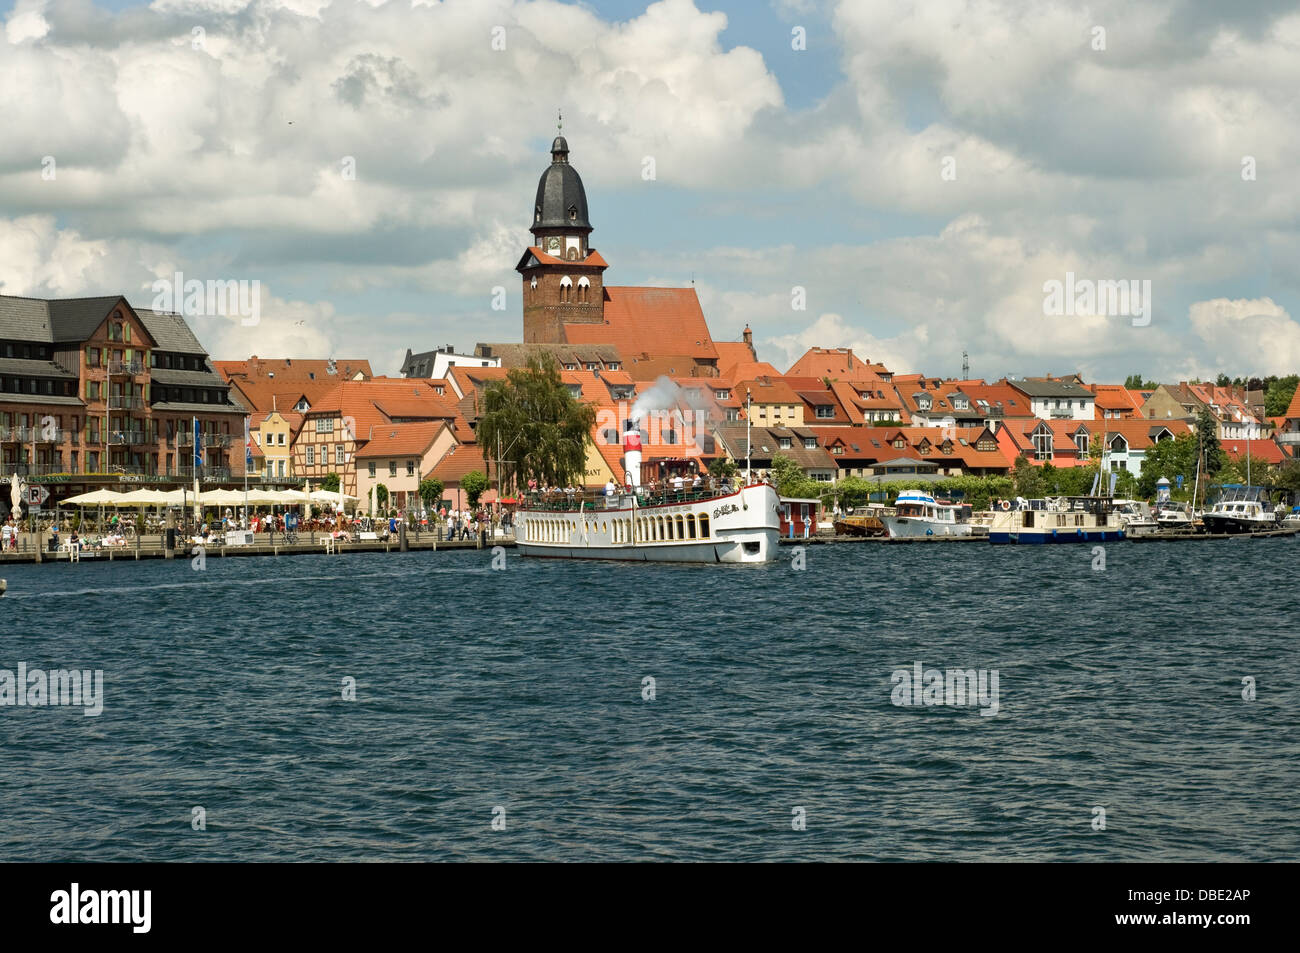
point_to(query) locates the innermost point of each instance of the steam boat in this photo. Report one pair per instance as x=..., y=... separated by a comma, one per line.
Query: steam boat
x=678, y=518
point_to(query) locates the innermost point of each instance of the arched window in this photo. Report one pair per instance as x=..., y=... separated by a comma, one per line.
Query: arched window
x=537, y=213
x=533, y=283
x=704, y=526
x=573, y=254
x=566, y=288
x=584, y=289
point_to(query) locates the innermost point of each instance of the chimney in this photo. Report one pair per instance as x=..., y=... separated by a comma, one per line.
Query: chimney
x=632, y=453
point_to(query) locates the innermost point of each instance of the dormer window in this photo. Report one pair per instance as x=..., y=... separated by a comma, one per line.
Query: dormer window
x=573, y=213
x=537, y=213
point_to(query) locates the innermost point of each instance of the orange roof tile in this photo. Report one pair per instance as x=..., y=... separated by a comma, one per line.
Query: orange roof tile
x=837, y=363
x=653, y=321
x=404, y=439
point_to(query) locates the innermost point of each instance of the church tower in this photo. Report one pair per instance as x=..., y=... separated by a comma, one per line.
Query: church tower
x=562, y=274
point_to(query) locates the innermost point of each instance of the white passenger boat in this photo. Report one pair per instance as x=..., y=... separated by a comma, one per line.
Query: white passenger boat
x=917, y=513
x=672, y=520
x=711, y=526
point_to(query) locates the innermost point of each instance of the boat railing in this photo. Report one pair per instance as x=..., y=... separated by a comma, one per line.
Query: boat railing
x=566, y=501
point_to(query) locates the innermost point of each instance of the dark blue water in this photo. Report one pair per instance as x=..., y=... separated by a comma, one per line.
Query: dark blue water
x=522, y=689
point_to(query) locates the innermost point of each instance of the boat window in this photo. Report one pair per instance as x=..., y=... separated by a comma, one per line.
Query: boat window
x=1029, y=518
x=704, y=526
x=690, y=526
x=678, y=521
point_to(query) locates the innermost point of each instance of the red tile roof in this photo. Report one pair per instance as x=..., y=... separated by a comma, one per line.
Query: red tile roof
x=837, y=363
x=408, y=439
x=655, y=322
x=593, y=258
x=1266, y=450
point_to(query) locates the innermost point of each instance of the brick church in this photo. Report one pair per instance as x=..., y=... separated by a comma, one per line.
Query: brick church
x=567, y=303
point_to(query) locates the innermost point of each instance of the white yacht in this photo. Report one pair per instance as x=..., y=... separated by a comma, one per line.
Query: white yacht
x=916, y=513
x=1240, y=510
x=1175, y=517
x=1136, y=517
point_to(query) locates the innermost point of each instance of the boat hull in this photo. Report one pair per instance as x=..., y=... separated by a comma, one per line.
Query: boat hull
x=739, y=527
x=1229, y=524
x=912, y=527
x=1068, y=535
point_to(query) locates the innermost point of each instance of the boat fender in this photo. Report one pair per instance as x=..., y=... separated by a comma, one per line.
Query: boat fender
x=929, y=532
x=1006, y=505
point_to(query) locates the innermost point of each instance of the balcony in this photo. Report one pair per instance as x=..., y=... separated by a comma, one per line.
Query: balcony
x=1289, y=439
x=125, y=402
x=131, y=368
x=216, y=440
x=126, y=438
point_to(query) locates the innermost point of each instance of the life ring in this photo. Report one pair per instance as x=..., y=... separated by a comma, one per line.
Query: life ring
x=1006, y=505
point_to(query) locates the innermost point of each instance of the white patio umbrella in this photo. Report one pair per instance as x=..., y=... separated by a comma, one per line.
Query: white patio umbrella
x=94, y=498
x=143, y=497
x=292, y=497
x=326, y=496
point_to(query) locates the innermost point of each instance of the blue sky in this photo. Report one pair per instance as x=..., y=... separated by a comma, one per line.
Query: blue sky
x=776, y=169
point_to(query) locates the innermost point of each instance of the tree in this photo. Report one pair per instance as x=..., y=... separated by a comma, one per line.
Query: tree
x=330, y=482
x=1135, y=382
x=790, y=479
x=534, y=428
x=1170, y=459
x=430, y=492
x=475, y=484
x=1288, y=478
x=381, y=496
x=1277, y=398
x=1208, y=430
x=1027, y=479
x=723, y=468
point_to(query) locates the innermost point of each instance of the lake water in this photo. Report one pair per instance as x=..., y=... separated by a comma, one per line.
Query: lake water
x=518, y=696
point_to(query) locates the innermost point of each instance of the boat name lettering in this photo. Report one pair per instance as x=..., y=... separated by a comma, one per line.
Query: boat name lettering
x=725, y=509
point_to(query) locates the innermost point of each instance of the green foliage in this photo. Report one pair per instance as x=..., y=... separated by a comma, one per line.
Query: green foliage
x=1258, y=473
x=1288, y=478
x=330, y=483
x=1277, y=398
x=1207, y=429
x=430, y=492
x=1135, y=382
x=789, y=479
x=723, y=468
x=536, y=426
x=1027, y=479
x=381, y=496
x=475, y=484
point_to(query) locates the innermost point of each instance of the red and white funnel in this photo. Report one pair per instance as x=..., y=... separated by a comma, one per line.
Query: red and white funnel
x=632, y=453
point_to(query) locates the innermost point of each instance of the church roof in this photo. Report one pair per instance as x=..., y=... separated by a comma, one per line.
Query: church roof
x=651, y=321
x=561, y=200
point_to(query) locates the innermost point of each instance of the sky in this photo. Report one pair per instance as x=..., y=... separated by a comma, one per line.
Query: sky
x=908, y=183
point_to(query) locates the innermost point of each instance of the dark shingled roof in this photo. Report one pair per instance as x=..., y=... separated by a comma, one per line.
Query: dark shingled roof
x=67, y=319
x=558, y=190
x=170, y=331
x=29, y=368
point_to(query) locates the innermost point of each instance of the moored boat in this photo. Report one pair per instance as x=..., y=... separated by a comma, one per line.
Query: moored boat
x=917, y=513
x=1240, y=510
x=1074, y=519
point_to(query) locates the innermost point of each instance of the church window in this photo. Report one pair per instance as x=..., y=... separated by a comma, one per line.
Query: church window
x=573, y=254
x=566, y=289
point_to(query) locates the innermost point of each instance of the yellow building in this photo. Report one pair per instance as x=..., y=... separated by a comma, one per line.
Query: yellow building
x=274, y=435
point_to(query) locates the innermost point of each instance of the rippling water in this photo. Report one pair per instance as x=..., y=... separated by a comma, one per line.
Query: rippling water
x=522, y=689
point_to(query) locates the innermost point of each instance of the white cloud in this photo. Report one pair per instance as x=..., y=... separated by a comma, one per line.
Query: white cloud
x=1248, y=333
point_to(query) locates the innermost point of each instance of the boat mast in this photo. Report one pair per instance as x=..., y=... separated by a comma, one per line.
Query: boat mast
x=749, y=429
